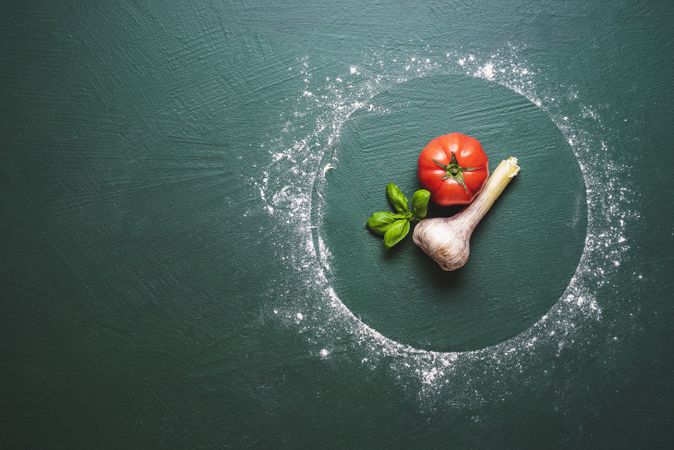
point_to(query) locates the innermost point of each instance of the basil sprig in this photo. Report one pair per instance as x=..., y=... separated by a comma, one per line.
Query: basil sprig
x=379, y=222
x=396, y=232
x=420, y=203
x=394, y=226
x=397, y=198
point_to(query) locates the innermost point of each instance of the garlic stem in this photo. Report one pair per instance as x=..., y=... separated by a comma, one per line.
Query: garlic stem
x=492, y=189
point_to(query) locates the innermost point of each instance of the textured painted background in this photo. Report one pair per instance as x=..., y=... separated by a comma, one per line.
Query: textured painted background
x=135, y=270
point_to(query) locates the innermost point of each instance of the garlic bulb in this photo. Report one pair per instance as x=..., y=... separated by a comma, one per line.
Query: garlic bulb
x=447, y=239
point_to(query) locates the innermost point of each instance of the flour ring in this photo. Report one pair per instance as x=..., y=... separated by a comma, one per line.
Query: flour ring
x=316, y=239
x=325, y=319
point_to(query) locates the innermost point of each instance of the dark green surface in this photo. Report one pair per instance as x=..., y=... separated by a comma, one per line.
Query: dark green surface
x=132, y=283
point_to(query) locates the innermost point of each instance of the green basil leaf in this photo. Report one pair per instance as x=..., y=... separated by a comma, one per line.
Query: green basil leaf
x=396, y=232
x=420, y=203
x=380, y=221
x=397, y=198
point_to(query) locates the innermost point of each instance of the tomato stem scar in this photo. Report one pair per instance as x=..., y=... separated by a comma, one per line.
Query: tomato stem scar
x=454, y=171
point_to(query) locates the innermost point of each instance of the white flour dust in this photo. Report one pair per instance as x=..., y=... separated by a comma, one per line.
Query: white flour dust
x=291, y=190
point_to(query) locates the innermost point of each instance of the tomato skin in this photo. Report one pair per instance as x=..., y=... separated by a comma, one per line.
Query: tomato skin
x=470, y=161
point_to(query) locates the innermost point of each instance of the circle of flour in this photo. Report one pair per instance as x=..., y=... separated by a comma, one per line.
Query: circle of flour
x=291, y=191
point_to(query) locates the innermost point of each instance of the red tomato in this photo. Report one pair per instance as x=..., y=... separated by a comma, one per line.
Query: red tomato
x=454, y=168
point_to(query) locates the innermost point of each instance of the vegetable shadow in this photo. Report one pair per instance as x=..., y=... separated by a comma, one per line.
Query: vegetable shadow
x=392, y=253
x=433, y=275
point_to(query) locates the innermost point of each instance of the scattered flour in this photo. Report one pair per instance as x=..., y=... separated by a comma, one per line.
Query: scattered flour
x=486, y=71
x=294, y=178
